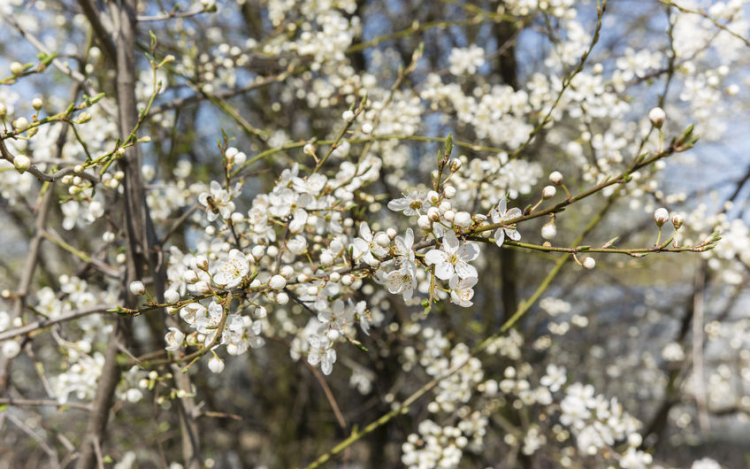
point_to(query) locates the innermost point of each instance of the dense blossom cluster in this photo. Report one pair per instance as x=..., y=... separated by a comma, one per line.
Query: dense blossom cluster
x=337, y=235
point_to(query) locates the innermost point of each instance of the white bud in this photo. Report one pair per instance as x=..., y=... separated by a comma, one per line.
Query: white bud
x=661, y=216
x=282, y=298
x=190, y=276
x=455, y=165
x=210, y=230
x=348, y=115
x=334, y=277
x=11, y=348
x=462, y=219
x=277, y=282
x=433, y=197
x=201, y=262
x=22, y=163
x=449, y=192
x=216, y=365
x=258, y=251
x=16, y=68
x=171, y=296
x=37, y=103
x=203, y=288
x=548, y=192
x=240, y=158
x=549, y=231
x=308, y=149
x=287, y=271
x=589, y=263
x=137, y=288
x=677, y=221
x=424, y=222
x=347, y=280
x=657, y=117
x=121, y=258
x=326, y=259
x=333, y=334
x=367, y=128
x=21, y=124
x=449, y=215
x=272, y=251
x=556, y=178
x=433, y=214
x=382, y=239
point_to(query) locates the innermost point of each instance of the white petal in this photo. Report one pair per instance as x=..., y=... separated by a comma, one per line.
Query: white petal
x=499, y=237
x=444, y=271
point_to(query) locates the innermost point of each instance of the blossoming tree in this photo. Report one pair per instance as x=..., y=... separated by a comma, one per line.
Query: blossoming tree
x=405, y=234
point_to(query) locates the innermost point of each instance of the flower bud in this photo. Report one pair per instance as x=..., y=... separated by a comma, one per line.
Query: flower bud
x=367, y=128
x=449, y=192
x=22, y=163
x=424, y=222
x=348, y=115
x=37, y=103
x=17, y=68
x=282, y=298
x=171, y=296
x=308, y=149
x=657, y=117
x=433, y=197
x=556, y=178
x=203, y=287
x=661, y=215
x=549, y=230
x=3, y=111
x=334, y=277
x=190, y=276
x=21, y=124
x=277, y=282
x=677, y=221
x=272, y=251
x=382, y=239
x=216, y=365
x=84, y=117
x=455, y=165
x=433, y=214
x=137, y=288
x=449, y=215
x=588, y=263
x=201, y=262
x=548, y=192
x=333, y=334
x=347, y=280
x=391, y=232
x=462, y=219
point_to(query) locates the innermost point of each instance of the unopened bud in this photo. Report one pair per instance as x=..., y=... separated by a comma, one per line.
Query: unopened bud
x=548, y=192
x=308, y=149
x=391, y=232
x=277, y=282
x=17, y=68
x=424, y=222
x=433, y=214
x=433, y=197
x=382, y=239
x=677, y=221
x=21, y=124
x=449, y=192
x=3, y=111
x=556, y=178
x=37, y=103
x=201, y=262
x=588, y=263
x=22, y=163
x=455, y=165
x=549, y=230
x=137, y=288
x=462, y=219
x=661, y=216
x=190, y=276
x=657, y=117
